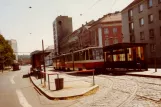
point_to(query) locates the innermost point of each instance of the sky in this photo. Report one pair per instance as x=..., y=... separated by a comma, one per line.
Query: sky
x=29, y=26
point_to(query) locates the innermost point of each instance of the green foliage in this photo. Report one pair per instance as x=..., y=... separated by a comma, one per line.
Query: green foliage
x=6, y=52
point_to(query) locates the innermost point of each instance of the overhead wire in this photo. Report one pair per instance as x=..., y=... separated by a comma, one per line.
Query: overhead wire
x=91, y=7
x=113, y=5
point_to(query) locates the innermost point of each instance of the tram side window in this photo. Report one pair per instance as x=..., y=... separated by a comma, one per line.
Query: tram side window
x=62, y=59
x=97, y=54
x=87, y=55
x=90, y=54
x=108, y=58
x=68, y=58
x=119, y=57
x=129, y=55
x=140, y=53
x=76, y=56
x=82, y=55
x=101, y=53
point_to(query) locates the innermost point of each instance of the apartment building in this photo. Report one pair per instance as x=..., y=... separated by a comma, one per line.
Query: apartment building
x=107, y=30
x=13, y=44
x=141, y=23
x=62, y=27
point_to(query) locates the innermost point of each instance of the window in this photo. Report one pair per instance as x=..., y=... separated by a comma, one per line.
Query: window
x=159, y=14
x=140, y=7
x=97, y=54
x=115, y=41
x=106, y=42
x=114, y=30
x=151, y=18
x=142, y=37
x=141, y=21
x=151, y=33
x=150, y=3
x=106, y=31
x=152, y=47
x=131, y=27
x=130, y=14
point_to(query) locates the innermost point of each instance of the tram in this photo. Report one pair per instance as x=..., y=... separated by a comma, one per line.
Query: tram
x=84, y=59
x=129, y=56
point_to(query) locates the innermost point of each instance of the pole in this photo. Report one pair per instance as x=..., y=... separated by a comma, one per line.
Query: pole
x=93, y=78
x=44, y=64
x=155, y=59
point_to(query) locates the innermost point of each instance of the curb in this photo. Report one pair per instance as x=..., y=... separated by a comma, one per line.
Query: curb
x=151, y=76
x=63, y=98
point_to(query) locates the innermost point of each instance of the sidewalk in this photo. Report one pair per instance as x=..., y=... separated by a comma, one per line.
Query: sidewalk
x=73, y=86
x=149, y=73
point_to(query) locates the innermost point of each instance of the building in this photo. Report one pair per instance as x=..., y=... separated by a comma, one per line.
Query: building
x=13, y=44
x=103, y=32
x=62, y=27
x=141, y=23
x=107, y=30
x=48, y=58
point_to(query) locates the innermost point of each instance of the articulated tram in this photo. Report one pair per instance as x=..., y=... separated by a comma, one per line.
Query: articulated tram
x=84, y=59
x=130, y=56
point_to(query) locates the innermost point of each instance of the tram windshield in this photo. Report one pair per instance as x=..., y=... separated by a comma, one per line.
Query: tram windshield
x=96, y=54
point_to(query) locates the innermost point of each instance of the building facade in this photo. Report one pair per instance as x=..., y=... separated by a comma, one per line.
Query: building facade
x=48, y=58
x=62, y=27
x=141, y=23
x=107, y=30
x=13, y=44
x=103, y=32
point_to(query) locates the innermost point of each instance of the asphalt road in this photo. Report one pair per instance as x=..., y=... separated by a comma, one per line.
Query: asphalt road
x=16, y=91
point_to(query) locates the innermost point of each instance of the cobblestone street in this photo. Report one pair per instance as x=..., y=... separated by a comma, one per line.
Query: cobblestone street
x=122, y=91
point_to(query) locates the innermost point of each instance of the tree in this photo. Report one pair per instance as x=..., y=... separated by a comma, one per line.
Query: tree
x=6, y=52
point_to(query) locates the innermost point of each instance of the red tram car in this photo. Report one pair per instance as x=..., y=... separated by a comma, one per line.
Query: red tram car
x=84, y=59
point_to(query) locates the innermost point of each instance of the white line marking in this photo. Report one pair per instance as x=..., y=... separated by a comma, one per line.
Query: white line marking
x=11, y=79
x=22, y=99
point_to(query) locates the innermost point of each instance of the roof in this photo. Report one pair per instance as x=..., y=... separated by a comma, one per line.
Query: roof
x=122, y=46
x=132, y=4
x=51, y=47
x=111, y=17
x=38, y=52
x=108, y=18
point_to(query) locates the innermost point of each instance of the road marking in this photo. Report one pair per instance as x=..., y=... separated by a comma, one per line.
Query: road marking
x=11, y=79
x=22, y=99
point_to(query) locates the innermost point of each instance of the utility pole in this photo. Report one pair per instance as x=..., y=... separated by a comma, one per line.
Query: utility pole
x=44, y=64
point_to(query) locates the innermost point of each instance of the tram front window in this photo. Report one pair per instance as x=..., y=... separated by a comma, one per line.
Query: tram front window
x=97, y=54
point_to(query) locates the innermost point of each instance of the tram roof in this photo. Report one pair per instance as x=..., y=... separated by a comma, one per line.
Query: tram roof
x=38, y=52
x=77, y=51
x=123, y=45
x=87, y=49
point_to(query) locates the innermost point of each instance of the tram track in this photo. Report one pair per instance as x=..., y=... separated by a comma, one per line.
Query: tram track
x=126, y=94
x=111, y=91
x=140, y=88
